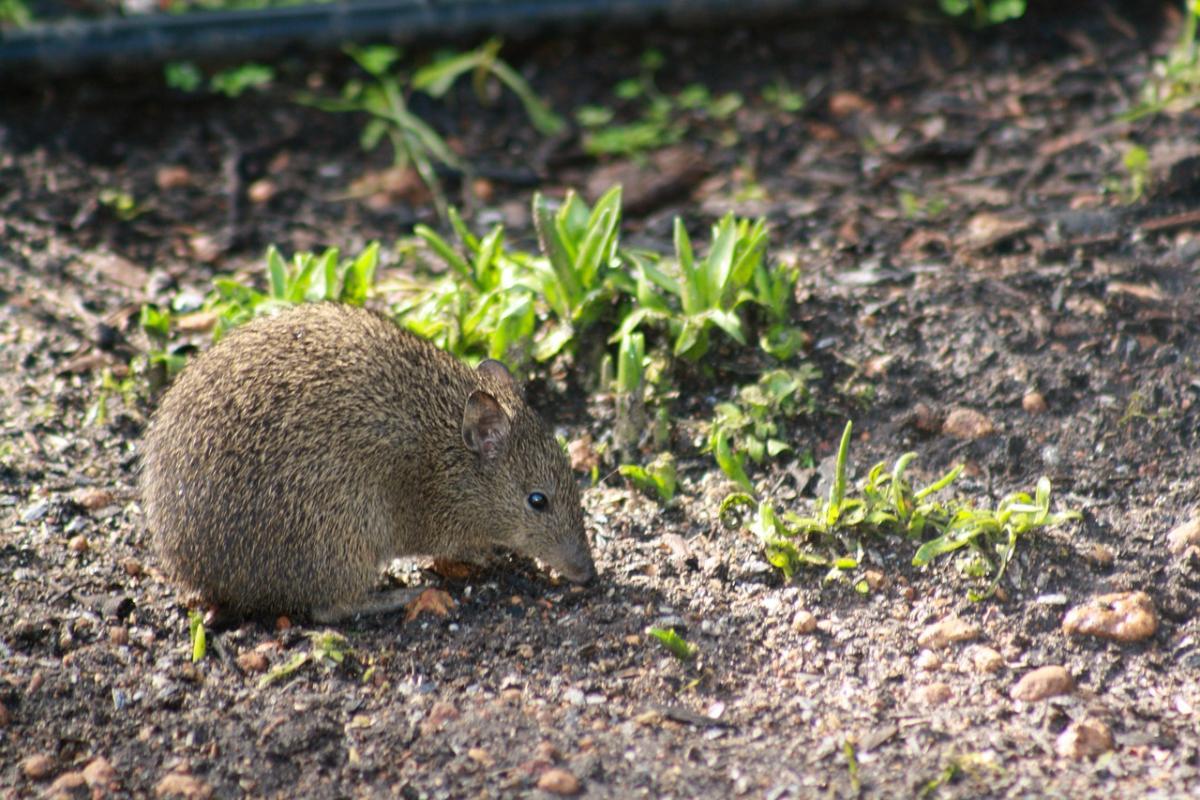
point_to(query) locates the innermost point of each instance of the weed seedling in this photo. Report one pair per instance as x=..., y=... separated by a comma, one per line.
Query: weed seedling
x=197, y=636
x=984, y=12
x=889, y=505
x=661, y=119
x=657, y=478
x=753, y=426
x=233, y=82
x=1174, y=82
x=328, y=648
x=385, y=99
x=676, y=645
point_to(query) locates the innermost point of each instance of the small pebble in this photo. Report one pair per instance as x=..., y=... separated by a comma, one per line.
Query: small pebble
x=481, y=757
x=1181, y=537
x=95, y=498
x=935, y=694
x=67, y=784
x=559, y=781
x=252, y=661
x=261, y=191
x=118, y=635
x=100, y=776
x=172, y=177
x=967, y=423
x=1122, y=617
x=1086, y=738
x=1033, y=403
x=1042, y=683
x=804, y=622
x=37, y=767
x=943, y=633
x=189, y=787
x=986, y=660
x=875, y=579
x=78, y=544
x=928, y=661
x=1101, y=555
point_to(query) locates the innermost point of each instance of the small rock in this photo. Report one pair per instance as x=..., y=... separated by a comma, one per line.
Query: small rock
x=133, y=568
x=172, y=177
x=430, y=601
x=196, y=322
x=35, y=512
x=986, y=229
x=986, y=660
x=925, y=418
x=942, y=634
x=252, y=661
x=481, y=757
x=118, y=635
x=1101, y=555
x=205, y=248
x=189, y=787
x=967, y=423
x=935, y=694
x=95, y=498
x=875, y=579
x=67, y=785
x=100, y=776
x=559, y=781
x=804, y=622
x=1086, y=738
x=546, y=751
x=261, y=191
x=1042, y=683
x=929, y=661
x=1184, y=536
x=582, y=454
x=1122, y=617
x=37, y=767
x=1033, y=403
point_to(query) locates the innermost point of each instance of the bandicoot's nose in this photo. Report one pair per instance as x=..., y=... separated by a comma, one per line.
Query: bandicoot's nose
x=576, y=564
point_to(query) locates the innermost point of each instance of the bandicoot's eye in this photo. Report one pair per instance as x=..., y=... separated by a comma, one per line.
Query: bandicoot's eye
x=537, y=501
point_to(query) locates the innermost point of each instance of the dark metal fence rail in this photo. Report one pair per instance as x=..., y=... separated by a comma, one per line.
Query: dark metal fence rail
x=74, y=45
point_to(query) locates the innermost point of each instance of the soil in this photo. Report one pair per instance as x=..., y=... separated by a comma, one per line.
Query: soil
x=960, y=209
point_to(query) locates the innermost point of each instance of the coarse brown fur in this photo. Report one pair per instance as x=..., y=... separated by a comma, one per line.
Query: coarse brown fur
x=304, y=450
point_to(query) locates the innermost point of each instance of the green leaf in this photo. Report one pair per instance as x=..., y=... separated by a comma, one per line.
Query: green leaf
x=729, y=462
x=197, y=635
x=719, y=264
x=155, y=322
x=278, y=273
x=437, y=78
x=375, y=59
x=360, y=276
x=553, y=246
x=447, y=253
x=691, y=281
x=674, y=643
x=631, y=356
x=837, y=491
x=552, y=343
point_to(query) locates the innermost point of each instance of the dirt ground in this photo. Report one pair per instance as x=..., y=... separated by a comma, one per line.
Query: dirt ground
x=956, y=201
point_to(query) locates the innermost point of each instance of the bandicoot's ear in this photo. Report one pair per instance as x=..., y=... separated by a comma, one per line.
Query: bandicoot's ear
x=485, y=426
x=497, y=372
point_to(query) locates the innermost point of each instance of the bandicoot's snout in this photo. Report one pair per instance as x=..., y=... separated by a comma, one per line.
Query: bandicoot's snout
x=575, y=563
